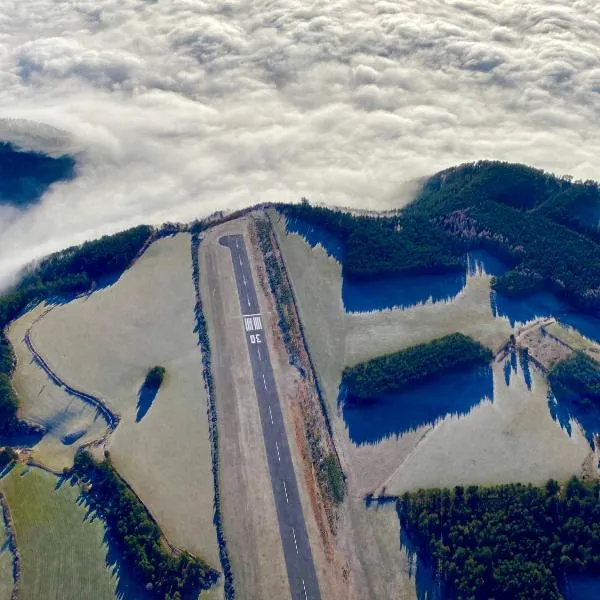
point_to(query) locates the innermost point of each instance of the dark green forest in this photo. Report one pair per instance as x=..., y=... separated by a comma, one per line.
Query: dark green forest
x=527, y=217
x=509, y=542
x=26, y=175
x=576, y=375
x=401, y=370
x=165, y=574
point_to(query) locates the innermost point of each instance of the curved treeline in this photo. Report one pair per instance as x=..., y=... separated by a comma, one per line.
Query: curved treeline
x=577, y=375
x=508, y=542
x=401, y=370
x=74, y=270
x=164, y=574
x=530, y=218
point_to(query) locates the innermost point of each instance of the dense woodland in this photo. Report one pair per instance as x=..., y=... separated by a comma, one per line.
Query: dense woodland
x=578, y=375
x=25, y=175
x=165, y=574
x=400, y=370
x=531, y=219
x=510, y=542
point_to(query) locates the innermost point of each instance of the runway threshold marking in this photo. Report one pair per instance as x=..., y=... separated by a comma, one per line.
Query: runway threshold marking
x=295, y=542
x=278, y=455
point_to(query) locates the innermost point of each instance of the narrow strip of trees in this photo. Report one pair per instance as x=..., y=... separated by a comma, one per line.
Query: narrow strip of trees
x=165, y=574
x=398, y=371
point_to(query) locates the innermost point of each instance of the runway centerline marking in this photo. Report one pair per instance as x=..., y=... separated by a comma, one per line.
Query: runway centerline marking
x=265, y=384
x=304, y=588
x=271, y=415
x=278, y=455
x=295, y=542
x=258, y=348
x=285, y=490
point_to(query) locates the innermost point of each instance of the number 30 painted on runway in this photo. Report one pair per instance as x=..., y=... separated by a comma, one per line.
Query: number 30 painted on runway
x=255, y=339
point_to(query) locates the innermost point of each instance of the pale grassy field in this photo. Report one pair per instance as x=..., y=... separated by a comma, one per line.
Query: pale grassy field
x=45, y=403
x=63, y=553
x=104, y=344
x=576, y=340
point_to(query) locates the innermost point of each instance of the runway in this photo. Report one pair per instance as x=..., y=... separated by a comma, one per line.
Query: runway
x=292, y=528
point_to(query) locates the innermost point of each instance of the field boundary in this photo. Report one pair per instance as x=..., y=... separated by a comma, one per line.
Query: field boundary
x=12, y=546
x=205, y=351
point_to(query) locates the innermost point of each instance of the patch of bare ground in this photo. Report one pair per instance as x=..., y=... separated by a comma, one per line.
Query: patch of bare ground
x=249, y=515
x=104, y=344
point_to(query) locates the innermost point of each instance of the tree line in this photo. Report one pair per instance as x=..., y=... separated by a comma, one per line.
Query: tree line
x=577, y=375
x=508, y=542
x=527, y=217
x=165, y=574
x=401, y=370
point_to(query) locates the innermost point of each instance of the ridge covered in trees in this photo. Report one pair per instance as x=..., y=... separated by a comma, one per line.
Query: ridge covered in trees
x=166, y=575
x=401, y=370
x=508, y=542
x=529, y=218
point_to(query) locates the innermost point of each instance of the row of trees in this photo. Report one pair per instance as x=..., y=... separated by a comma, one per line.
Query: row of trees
x=400, y=370
x=74, y=270
x=507, y=542
x=167, y=575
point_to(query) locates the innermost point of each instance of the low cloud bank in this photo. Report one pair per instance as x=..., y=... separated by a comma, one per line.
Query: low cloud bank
x=174, y=109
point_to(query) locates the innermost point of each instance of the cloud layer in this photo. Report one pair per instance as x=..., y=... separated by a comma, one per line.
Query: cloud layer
x=176, y=108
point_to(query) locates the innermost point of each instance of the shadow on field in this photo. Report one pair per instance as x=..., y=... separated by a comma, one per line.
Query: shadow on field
x=127, y=588
x=146, y=397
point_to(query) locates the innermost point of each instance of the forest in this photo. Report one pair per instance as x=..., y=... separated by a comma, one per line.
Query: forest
x=578, y=375
x=165, y=574
x=543, y=226
x=26, y=175
x=508, y=542
x=401, y=370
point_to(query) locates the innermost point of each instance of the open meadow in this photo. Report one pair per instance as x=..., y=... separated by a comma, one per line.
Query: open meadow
x=63, y=550
x=104, y=344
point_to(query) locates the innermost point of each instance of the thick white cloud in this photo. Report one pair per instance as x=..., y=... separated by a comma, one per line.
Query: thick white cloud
x=176, y=108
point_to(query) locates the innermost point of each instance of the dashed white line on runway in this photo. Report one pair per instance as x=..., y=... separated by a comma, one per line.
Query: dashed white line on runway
x=304, y=588
x=295, y=542
x=271, y=415
x=285, y=490
x=265, y=384
x=258, y=348
x=278, y=456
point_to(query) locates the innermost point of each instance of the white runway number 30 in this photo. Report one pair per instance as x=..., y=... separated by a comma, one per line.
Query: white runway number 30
x=255, y=338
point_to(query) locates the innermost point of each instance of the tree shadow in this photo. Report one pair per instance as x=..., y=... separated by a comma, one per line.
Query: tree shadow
x=566, y=407
x=454, y=393
x=146, y=397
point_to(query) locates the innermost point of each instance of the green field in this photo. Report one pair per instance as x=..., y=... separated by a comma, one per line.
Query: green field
x=6, y=565
x=63, y=554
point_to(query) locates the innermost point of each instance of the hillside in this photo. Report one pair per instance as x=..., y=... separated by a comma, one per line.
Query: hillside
x=534, y=221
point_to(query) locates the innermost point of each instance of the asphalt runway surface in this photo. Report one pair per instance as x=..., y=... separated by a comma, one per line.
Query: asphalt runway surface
x=292, y=528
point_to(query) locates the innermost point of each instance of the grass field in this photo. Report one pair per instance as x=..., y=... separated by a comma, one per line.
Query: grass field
x=104, y=344
x=63, y=553
x=6, y=565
